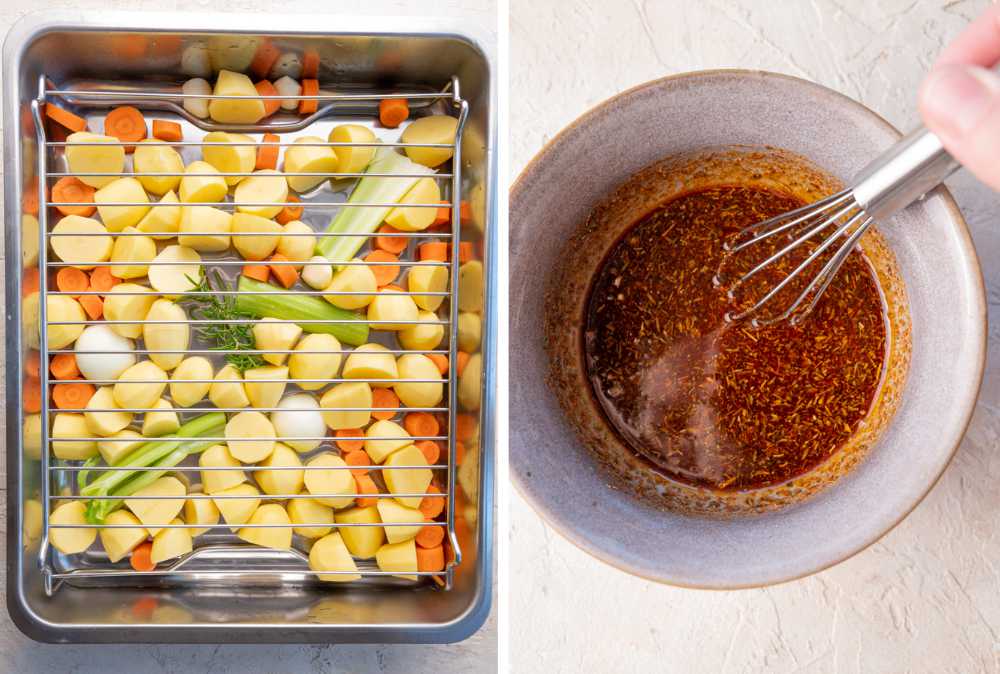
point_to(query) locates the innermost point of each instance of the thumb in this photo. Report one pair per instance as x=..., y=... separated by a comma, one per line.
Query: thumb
x=961, y=104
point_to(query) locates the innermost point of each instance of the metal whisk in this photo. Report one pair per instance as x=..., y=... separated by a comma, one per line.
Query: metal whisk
x=897, y=178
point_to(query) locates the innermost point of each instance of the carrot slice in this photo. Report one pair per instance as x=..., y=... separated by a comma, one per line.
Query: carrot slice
x=435, y=251
x=63, y=366
x=32, y=395
x=384, y=397
x=465, y=427
x=430, y=449
x=466, y=252
x=464, y=212
x=168, y=131
x=365, y=485
x=72, y=395
x=264, y=58
x=432, y=506
x=350, y=445
x=29, y=199
x=420, y=424
x=309, y=88
x=289, y=213
x=440, y=360
x=461, y=360
x=391, y=244
x=101, y=279
x=31, y=282
x=393, y=111
x=72, y=280
x=430, y=559
x=258, y=272
x=442, y=216
x=267, y=155
x=285, y=273
x=384, y=273
x=267, y=90
x=33, y=364
x=459, y=453
x=142, y=557
x=65, y=118
x=430, y=537
x=126, y=124
x=310, y=63
x=71, y=189
x=93, y=305
x=359, y=458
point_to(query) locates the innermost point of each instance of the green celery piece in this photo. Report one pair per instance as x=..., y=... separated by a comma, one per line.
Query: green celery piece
x=364, y=220
x=301, y=307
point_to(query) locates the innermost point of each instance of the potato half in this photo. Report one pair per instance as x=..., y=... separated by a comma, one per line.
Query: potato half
x=280, y=481
x=187, y=394
x=84, y=159
x=174, y=336
x=265, y=385
x=330, y=553
x=419, y=366
x=63, y=308
x=78, y=239
x=152, y=155
x=276, y=537
x=217, y=457
x=172, y=542
x=345, y=395
x=227, y=156
x=70, y=541
x=436, y=129
x=202, y=183
x=391, y=436
x=362, y=541
x=250, y=235
x=128, y=302
x=305, y=159
x=353, y=159
x=371, y=361
x=266, y=186
x=321, y=365
x=327, y=475
x=410, y=480
x=237, y=504
x=259, y=431
x=71, y=425
x=132, y=248
x=204, y=228
x=155, y=512
x=106, y=424
x=122, y=190
x=235, y=110
x=140, y=386
x=308, y=511
x=119, y=542
x=163, y=220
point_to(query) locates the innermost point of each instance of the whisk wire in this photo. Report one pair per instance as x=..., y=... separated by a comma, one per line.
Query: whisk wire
x=805, y=212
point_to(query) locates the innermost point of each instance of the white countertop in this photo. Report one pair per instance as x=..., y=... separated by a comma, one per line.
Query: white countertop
x=20, y=655
x=924, y=599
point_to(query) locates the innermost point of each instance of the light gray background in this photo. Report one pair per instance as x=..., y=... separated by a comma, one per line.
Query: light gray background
x=20, y=655
x=924, y=599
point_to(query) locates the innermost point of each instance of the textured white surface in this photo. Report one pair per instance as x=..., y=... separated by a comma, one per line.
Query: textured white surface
x=20, y=655
x=924, y=599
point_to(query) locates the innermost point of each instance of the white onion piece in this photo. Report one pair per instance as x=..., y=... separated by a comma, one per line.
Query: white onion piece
x=305, y=422
x=318, y=273
x=286, y=86
x=106, y=365
x=196, y=60
x=288, y=64
x=197, y=106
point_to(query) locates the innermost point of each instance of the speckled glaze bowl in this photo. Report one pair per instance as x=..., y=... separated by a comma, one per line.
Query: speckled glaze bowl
x=559, y=457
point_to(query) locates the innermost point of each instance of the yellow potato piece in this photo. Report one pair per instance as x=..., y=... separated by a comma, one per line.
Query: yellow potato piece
x=209, y=228
x=315, y=365
x=33, y=522
x=392, y=512
x=272, y=333
x=470, y=286
x=235, y=110
x=29, y=240
x=167, y=337
x=30, y=314
x=151, y=382
x=363, y=542
x=227, y=389
x=265, y=385
x=308, y=511
x=254, y=246
x=436, y=129
x=83, y=159
x=105, y=424
x=428, y=280
x=152, y=155
x=71, y=425
x=122, y=190
x=229, y=158
x=202, y=184
x=156, y=512
x=155, y=424
x=470, y=332
x=408, y=481
x=121, y=304
x=302, y=159
x=423, y=336
x=280, y=481
x=352, y=159
x=371, y=361
x=297, y=248
x=32, y=436
x=70, y=541
x=331, y=554
x=354, y=279
x=215, y=481
x=195, y=367
x=394, y=437
x=390, y=306
x=470, y=384
x=237, y=504
x=327, y=478
x=119, y=542
x=416, y=218
x=200, y=511
x=80, y=244
x=162, y=220
x=116, y=446
x=63, y=308
x=419, y=366
x=398, y=558
x=250, y=425
x=170, y=543
x=132, y=249
x=266, y=186
x=278, y=538
x=175, y=279
x=348, y=394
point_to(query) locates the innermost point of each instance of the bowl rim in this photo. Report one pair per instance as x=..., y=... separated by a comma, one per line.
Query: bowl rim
x=978, y=292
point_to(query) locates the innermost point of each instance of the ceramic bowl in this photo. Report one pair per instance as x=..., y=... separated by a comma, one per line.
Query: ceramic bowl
x=934, y=256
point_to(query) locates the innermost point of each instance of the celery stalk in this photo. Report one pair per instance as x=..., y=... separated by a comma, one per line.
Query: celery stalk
x=301, y=307
x=365, y=220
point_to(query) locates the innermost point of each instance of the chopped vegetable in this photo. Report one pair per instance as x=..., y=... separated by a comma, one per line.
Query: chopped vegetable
x=286, y=86
x=71, y=189
x=310, y=63
x=289, y=213
x=350, y=446
x=65, y=118
x=433, y=129
x=430, y=449
x=383, y=398
x=393, y=111
x=365, y=485
x=357, y=457
x=32, y=395
x=420, y=424
x=267, y=155
x=432, y=506
x=435, y=251
x=168, y=131
x=197, y=106
x=384, y=273
x=118, y=353
x=440, y=360
x=430, y=559
x=461, y=360
x=299, y=417
x=63, y=366
x=102, y=280
x=142, y=557
x=72, y=280
x=310, y=87
x=126, y=124
x=72, y=395
x=318, y=273
x=429, y=537
x=267, y=90
x=264, y=58
x=235, y=110
x=258, y=272
x=285, y=273
x=391, y=244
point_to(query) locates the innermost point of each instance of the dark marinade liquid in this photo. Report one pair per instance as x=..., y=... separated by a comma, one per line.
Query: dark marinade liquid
x=717, y=404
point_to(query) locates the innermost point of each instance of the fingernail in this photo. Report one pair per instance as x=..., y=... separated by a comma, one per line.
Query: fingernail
x=959, y=96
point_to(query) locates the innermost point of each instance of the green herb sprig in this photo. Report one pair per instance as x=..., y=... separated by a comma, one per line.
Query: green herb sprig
x=234, y=338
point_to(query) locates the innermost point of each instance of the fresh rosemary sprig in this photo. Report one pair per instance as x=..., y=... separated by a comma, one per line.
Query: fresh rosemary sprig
x=233, y=338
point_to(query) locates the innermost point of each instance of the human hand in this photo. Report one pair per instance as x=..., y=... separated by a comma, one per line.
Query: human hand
x=960, y=98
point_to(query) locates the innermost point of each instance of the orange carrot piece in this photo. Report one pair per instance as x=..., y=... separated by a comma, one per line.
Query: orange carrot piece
x=126, y=124
x=365, y=485
x=464, y=212
x=32, y=395
x=430, y=537
x=93, y=305
x=350, y=445
x=264, y=58
x=393, y=111
x=72, y=395
x=33, y=364
x=285, y=273
x=29, y=198
x=440, y=360
x=384, y=397
x=310, y=64
x=65, y=118
x=289, y=213
x=63, y=366
x=31, y=282
x=459, y=453
x=142, y=557
x=432, y=506
x=72, y=280
x=309, y=88
x=267, y=155
x=101, y=279
x=391, y=244
x=142, y=608
x=384, y=273
x=267, y=90
x=258, y=272
x=430, y=449
x=430, y=559
x=168, y=131
x=72, y=189
x=465, y=427
x=359, y=458
x=461, y=360
x=420, y=424
x=442, y=216
x=466, y=252
x=435, y=251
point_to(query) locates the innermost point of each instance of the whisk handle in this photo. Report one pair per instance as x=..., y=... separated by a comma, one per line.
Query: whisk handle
x=903, y=173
